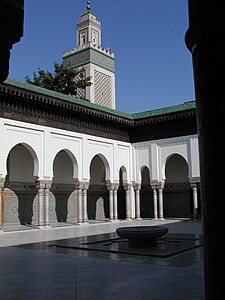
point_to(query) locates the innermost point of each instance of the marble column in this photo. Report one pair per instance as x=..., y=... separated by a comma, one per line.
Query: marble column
x=85, y=215
x=115, y=204
x=1, y=217
x=127, y=188
x=46, y=203
x=79, y=206
x=137, y=188
x=160, y=189
x=155, y=202
x=1, y=203
x=110, y=189
x=41, y=204
x=195, y=200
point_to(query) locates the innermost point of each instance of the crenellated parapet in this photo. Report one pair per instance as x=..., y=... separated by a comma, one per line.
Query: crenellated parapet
x=106, y=51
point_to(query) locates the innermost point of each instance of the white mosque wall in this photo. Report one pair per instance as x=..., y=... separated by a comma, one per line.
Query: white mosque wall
x=44, y=145
x=155, y=154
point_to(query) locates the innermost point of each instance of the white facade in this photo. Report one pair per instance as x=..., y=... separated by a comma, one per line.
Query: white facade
x=44, y=144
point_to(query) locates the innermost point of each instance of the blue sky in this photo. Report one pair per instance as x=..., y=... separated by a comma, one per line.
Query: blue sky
x=153, y=65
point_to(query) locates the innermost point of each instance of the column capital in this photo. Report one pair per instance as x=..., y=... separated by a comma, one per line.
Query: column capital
x=136, y=186
x=112, y=186
x=43, y=184
x=84, y=185
x=160, y=185
x=157, y=184
x=127, y=186
x=154, y=186
x=194, y=184
x=81, y=185
x=116, y=186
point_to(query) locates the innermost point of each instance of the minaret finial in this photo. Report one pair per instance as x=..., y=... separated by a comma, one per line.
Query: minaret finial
x=88, y=6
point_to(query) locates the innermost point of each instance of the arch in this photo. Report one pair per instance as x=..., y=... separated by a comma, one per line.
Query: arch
x=21, y=203
x=145, y=174
x=181, y=167
x=98, y=200
x=177, y=190
x=62, y=202
x=121, y=194
x=123, y=171
x=33, y=155
x=73, y=161
x=163, y=169
x=146, y=200
x=139, y=179
x=105, y=162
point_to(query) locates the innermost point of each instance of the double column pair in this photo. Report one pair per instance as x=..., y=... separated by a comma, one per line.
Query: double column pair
x=43, y=202
x=81, y=189
x=157, y=201
x=113, y=201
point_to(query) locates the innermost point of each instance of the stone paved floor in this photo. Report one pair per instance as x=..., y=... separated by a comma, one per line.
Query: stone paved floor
x=36, y=271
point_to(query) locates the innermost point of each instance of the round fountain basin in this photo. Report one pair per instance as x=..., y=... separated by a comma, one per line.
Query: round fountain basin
x=142, y=235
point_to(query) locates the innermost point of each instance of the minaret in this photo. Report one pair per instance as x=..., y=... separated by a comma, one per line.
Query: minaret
x=97, y=61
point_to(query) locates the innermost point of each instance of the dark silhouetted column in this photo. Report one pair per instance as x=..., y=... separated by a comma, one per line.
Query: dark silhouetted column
x=205, y=38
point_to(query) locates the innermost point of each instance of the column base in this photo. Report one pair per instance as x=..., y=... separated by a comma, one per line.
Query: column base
x=138, y=219
x=128, y=219
x=47, y=227
x=155, y=219
x=85, y=223
x=111, y=220
x=116, y=220
x=41, y=227
x=161, y=219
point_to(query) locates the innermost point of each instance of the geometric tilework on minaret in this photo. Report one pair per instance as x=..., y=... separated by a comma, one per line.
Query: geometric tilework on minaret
x=98, y=62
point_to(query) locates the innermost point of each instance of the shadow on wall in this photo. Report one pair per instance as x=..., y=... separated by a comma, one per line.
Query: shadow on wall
x=20, y=203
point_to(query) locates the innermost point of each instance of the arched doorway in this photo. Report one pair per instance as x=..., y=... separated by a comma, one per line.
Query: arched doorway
x=146, y=198
x=98, y=196
x=177, y=190
x=122, y=193
x=21, y=202
x=63, y=202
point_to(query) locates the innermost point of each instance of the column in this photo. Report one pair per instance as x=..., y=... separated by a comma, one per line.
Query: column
x=79, y=208
x=1, y=203
x=205, y=38
x=127, y=189
x=46, y=200
x=41, y=209
x=115, y=208
x=85, y=215
x=160, y=189
x=137, y=188
x=155, y=202
x=195, y=200
x=110, y=189
x=1, y=218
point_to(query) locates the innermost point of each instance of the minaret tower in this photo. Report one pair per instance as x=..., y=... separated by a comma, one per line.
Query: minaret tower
x=98, y=62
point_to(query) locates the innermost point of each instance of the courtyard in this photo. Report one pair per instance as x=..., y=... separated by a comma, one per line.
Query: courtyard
x=96, y=264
